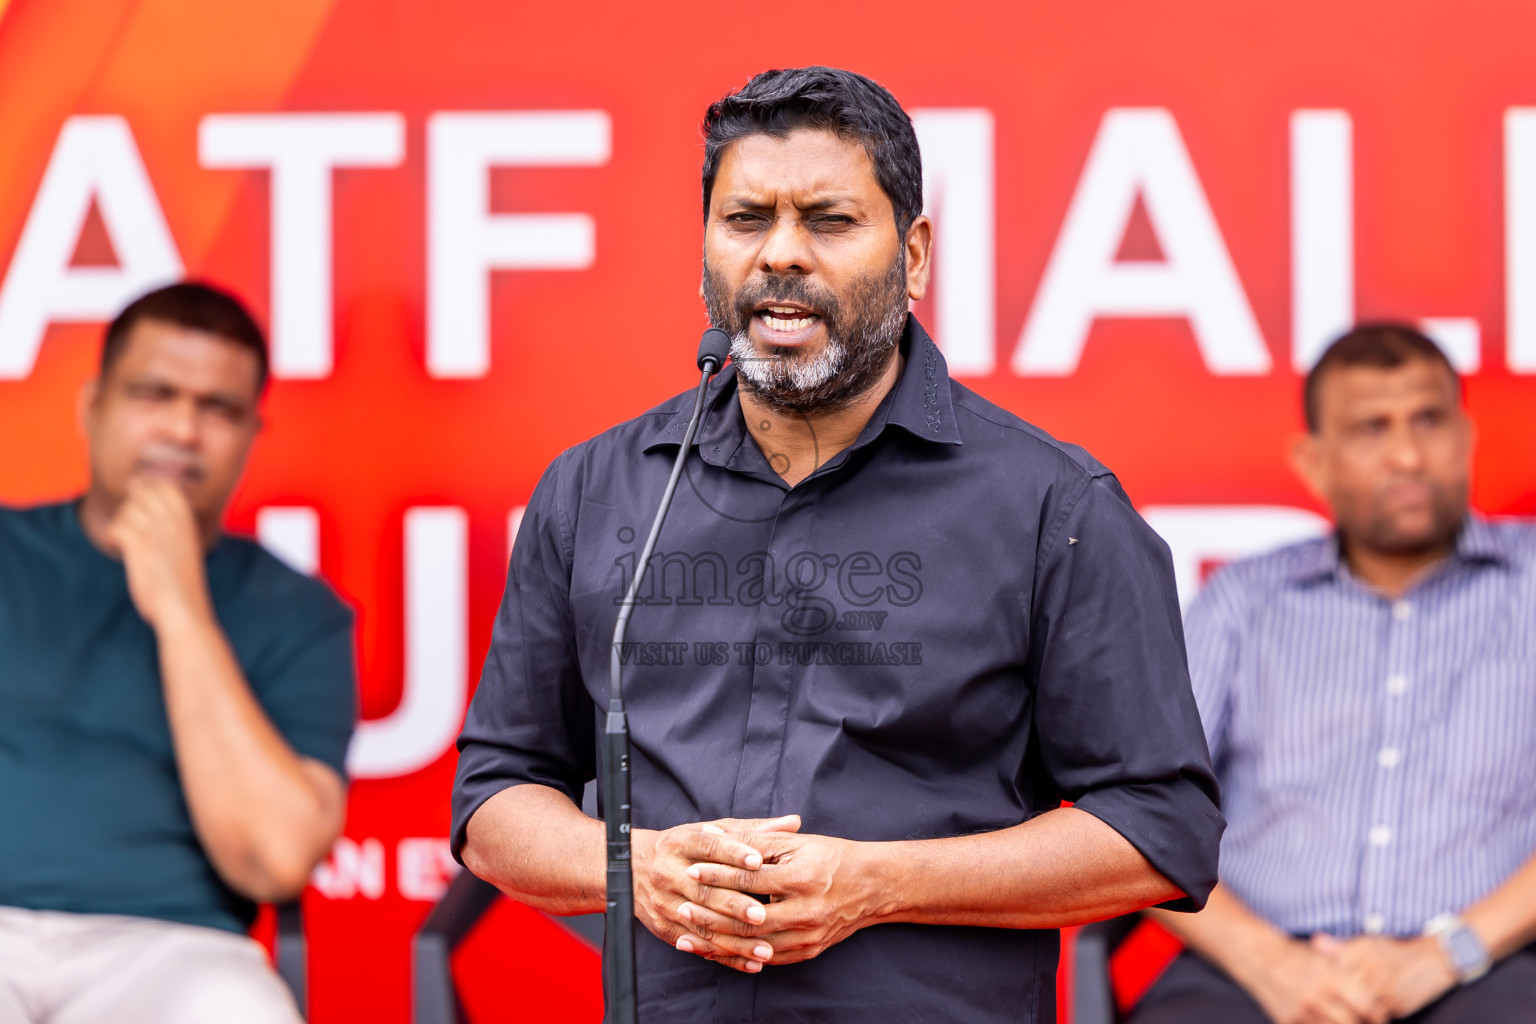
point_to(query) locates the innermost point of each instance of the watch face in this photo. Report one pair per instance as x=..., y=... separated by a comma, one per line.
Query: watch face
x=1468, y=957
x=1465, y=949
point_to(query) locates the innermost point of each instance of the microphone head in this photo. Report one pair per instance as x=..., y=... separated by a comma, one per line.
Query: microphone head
x=713, y=348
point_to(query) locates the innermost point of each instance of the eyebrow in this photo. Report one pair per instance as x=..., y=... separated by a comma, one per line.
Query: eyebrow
x=823, y=202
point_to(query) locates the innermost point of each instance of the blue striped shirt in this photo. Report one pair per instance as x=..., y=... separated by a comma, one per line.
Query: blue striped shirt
x=1377, y=758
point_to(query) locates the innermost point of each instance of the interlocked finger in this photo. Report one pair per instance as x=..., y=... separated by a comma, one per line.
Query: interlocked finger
x=694, y=944
x=722, y=943
x=721, y=876
x=739, y=963
x=697, y=921
x=715, y=848
x=724, y=947
x=710, y=923
x=742, y=909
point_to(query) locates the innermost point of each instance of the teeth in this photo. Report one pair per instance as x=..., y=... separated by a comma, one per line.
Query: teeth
x=790, y=318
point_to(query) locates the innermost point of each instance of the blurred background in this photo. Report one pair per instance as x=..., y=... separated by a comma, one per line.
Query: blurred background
x=473, y=229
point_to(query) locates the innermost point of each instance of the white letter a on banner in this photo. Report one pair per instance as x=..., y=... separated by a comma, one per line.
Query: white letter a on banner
x=1138, y=152
x=95, y=160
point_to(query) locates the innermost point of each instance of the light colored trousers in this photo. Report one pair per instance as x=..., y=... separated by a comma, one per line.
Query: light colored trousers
x=60, y=968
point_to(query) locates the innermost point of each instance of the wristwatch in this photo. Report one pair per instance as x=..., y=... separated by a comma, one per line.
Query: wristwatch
x=1464, y=952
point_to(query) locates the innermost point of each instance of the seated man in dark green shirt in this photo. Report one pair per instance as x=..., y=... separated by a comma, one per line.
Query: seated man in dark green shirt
x=175, y=703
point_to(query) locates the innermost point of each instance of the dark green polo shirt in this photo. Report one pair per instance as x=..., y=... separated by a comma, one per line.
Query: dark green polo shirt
x=92, y=816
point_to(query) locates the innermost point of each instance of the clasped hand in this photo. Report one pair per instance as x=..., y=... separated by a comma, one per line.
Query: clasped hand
x=700, y=887
x=1364, y=980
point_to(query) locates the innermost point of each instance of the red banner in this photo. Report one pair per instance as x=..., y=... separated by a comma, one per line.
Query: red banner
x=474, y=230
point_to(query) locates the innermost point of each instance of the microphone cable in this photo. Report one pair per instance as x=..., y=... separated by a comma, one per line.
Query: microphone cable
x=619, y=937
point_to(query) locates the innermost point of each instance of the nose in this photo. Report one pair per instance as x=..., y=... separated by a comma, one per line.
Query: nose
x=786, y=248
x=1407, y=453
x=180, y=423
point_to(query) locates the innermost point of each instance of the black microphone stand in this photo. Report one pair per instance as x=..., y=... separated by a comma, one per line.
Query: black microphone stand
x=619, y=937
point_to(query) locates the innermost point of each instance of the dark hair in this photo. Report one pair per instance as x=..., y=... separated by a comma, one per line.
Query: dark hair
x=197, y=307
x=824, y=99
x=1384, y=345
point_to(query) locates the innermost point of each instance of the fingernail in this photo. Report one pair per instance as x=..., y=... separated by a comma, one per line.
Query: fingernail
x=763, y=951
x=754, y=860
x=753, y=966
x=716, y=829
x=686, y=911
x=684, y=945
x=694, y=872
x=757, y=915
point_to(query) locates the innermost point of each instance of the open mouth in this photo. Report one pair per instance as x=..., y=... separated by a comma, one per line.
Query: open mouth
x=786, y=318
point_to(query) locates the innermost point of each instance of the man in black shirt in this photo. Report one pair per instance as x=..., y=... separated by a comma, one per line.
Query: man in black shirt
x=889, y=627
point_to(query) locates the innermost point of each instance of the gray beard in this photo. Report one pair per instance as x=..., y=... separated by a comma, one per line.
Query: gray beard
x=776, y=374
x=856, y=354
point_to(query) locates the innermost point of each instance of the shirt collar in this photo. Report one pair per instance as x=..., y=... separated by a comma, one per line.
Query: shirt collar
x=919, y=403
x=1476, y=541
x=1317, y=561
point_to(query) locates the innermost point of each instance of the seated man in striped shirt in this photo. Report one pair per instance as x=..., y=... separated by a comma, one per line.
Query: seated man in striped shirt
x=1370, y=703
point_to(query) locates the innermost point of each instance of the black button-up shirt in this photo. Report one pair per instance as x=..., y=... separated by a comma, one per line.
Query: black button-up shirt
x=949, y=627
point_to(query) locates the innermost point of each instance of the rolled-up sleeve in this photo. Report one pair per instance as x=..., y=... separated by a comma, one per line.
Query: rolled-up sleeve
x=1117, y=726
x=531, y=720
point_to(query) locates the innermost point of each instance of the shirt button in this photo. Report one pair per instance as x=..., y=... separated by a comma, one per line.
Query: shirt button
x=1375, y=923
x=1389, y=757
x=1397, y=685
x=1401, y=610
x=1380, y=835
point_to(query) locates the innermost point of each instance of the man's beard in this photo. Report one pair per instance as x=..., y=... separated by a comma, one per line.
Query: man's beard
x=1376, y=529
x=863, y=329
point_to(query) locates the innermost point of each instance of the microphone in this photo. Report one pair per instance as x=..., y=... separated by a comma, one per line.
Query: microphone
x=713, y=348
x=619, y=936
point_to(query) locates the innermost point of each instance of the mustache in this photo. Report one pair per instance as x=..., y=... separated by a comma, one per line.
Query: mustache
x=778, y=289
x=864, y=324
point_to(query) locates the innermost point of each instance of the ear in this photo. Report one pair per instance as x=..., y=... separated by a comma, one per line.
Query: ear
x=1306, y=460
x=919, y=246
x=85, y=403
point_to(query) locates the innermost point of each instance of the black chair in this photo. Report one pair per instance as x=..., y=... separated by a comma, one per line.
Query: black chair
x=434, y=995
x=291, y=952
x=1093, y=997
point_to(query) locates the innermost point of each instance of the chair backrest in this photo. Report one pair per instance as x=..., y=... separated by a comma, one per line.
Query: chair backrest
x=1093, y=997
x=291, y=953
x=434, y=995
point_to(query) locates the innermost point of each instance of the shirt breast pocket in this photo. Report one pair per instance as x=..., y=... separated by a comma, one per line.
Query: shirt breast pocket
x=1491, y=734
